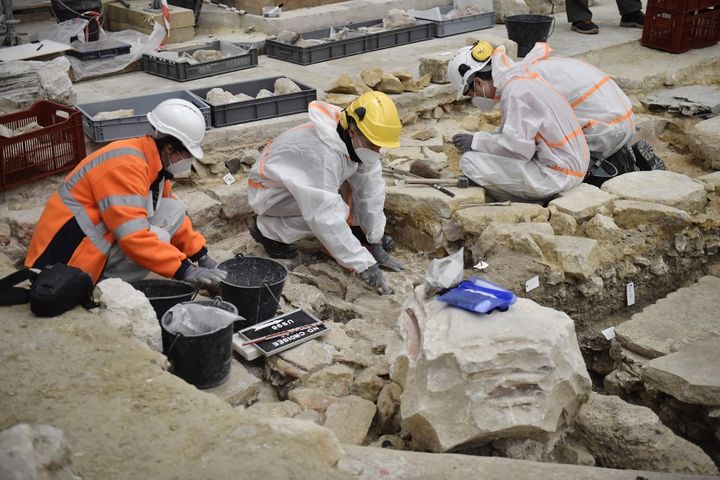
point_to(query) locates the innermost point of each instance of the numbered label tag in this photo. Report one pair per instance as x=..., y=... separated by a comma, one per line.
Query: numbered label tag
x=630, y=292
x=229, y=178
x=481, y=265
x=609, y=333
x=532, y=284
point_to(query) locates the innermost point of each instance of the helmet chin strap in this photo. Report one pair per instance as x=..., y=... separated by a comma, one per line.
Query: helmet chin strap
x=345, y=137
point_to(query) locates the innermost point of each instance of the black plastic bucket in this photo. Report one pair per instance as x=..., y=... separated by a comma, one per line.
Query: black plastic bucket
x=202, y=360
x=165, y=294
x=525, y=30
x=254, y=286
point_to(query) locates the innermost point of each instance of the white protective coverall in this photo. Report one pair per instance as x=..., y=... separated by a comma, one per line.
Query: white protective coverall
x=603, y=110
x=539, y=149
x=294, y=190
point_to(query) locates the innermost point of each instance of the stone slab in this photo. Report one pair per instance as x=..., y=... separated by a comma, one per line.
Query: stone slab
x=660, y=186
x=201, y=208
x=704, y=142
x=688, y=100
x=241, y=387
x=691, y=375
x=577, y=256
x=675, y=322
x=350, y=418
x=631, y=214
x=712, y=179
x=475, y=219
x=583, y=201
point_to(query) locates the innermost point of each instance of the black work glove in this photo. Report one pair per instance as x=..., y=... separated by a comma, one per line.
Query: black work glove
x=207, y=262
x=204, y=276
x=375, y=279
x=385, y=260
x=463, y=141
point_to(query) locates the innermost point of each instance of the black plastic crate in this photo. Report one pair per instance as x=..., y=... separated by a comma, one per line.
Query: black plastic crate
x=357, y=42
x=135, y=126
x=456, y=26
x=183, y=71
x=354, y=44
x=98, y=49
x=259, y=108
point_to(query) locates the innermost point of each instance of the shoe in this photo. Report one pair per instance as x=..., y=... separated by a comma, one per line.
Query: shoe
x=634, y=19
x=273, y=248
x=585, y=26
x=646, y=158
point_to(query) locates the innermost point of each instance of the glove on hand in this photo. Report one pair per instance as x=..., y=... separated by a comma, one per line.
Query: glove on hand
x=385, y=260
x=463, y=141
x=374, y=277
x=204, y=276
x=207, y=262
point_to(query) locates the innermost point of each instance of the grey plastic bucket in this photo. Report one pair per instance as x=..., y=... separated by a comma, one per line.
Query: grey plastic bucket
x=526, y=30
x=254, y=286
x=201, y=360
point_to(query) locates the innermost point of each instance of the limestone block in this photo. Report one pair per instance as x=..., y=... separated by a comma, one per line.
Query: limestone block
x=583, y=201
x=233, y=199
x=422, y=216
x=375, y=332
x=308, y=356
x=691, y=375
x=712, y=179
x=562, y=223
x=518, y=237
x=25, y=82
x=285, y=85
x=495, y=41
x=660, y=186
x=673, y=323
x=312, y=398
x=367, y=385
x=505, y=8
x=311, y=436
x=435, y=144
x=390, y=84
x=473, y=378
x=302, y=295
x=601, y=227
x=22, y=222
x=704, y=142
x=201, y=207
x=436, y=66
x=424, y=80
x=426, y=99
x=349, y=418
x=475, y=219
x=241, y=388
x=424, y=134
x=621, y=435
x=631, y=214
x=284, y=409
x=38, y=452
x=334, y=379
x=340, y=99
x=388, y=405
x=347, y=84
x=128, y=311
x=372, y=76
x=578, y=256
x=411, y=85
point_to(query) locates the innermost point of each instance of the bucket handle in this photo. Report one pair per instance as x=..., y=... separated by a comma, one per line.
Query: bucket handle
x=552, y=14
x=277, y=302
x=172, y=345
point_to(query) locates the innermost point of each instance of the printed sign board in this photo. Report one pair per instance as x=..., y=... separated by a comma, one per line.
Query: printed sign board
x=283, y=332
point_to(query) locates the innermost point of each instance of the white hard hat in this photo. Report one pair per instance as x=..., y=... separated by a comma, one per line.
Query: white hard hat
x=180, y=119
x=466, y=62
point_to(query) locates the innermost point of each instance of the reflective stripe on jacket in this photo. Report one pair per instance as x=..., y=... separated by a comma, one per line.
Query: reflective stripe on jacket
x=108, y=198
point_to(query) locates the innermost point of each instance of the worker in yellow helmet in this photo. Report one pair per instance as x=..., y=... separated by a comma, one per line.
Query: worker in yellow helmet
x=294, y=185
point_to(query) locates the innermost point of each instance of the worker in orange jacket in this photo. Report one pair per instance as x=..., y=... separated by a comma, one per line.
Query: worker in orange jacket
x=114, y=215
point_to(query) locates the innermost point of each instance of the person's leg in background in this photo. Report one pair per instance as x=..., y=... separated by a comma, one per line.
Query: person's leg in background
x=579, y=15
x=631, y=14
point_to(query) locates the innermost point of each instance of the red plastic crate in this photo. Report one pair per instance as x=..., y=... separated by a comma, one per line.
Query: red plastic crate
x=683, y=5
x=679, y=32
x=56, y=147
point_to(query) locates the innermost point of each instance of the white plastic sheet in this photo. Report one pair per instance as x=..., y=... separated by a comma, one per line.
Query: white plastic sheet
x=64, y=31
x=192, y=319
x=445, y=272
x=139, y=44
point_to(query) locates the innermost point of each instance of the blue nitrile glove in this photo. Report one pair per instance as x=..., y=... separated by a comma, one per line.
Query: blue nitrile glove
x=463, y=141
x=207, y=262
x=204, y=276
x=385, y=260
x=374, y=277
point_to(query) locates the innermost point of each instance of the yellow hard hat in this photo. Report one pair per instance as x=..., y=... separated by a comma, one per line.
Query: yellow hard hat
x=377, y=118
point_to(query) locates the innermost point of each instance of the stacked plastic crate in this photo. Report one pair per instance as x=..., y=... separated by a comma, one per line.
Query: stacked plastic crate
x=679, y=25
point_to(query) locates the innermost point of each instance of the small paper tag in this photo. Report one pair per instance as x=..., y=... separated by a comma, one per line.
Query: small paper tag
x=481, y=265
x=229, y=179
x=630, y=291
x=609, y=333
x=532, y=284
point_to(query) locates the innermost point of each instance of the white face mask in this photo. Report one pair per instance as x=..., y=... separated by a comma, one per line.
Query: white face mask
x=484, y=104
x=181, y=168
x=368, y=157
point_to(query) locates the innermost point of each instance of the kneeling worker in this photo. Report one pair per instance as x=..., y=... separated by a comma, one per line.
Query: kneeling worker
x=114, y=215
x=294, y=185
x=539, y=149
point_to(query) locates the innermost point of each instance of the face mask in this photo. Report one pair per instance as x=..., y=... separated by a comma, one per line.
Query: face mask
x=368, y=157
x=484, y=104
x=181, y=168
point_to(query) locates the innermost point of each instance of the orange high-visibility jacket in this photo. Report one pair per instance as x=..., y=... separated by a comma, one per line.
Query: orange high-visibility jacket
x=104, y=200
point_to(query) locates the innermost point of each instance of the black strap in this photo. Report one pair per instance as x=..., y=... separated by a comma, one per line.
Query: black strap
x=12, y=295
x=17, y=277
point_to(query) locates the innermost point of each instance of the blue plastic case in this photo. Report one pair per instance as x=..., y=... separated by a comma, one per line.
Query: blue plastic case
x=480, y=296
